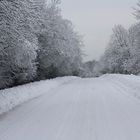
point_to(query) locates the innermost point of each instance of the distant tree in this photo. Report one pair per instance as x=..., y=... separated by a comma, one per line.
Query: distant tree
x=97, y=71
x=88, y=68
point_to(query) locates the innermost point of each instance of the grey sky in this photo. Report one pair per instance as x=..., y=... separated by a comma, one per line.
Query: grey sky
x=94, y=19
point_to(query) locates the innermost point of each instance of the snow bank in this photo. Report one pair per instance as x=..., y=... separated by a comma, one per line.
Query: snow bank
x=131, y=83
x=10, y=98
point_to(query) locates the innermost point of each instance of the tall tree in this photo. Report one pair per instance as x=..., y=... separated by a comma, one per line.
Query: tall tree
x=20, y=21
x=117, y=52
x=60, y=52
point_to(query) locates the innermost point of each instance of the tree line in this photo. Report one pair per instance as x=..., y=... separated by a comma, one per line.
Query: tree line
x=122, y=54
x=36, y=42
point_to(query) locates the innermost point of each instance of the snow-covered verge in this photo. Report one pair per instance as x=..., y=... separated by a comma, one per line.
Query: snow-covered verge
x=10, y=98
x=131, y=83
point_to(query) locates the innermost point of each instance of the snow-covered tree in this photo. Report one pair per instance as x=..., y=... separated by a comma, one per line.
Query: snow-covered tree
x=123, y=53
x=35, y=39
x=133, y=63
x=20, y=21
x=117, y=52
x=88, y=69
x=60, y=52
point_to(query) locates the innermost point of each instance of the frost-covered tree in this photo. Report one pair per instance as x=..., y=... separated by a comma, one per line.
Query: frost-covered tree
x=97, y=71
x=88, y=69
x=133, y=63
x=129, y=63
x=20, y=21
x=35, y=39
x=60, y=52
x=123, y=53
x=117, y=52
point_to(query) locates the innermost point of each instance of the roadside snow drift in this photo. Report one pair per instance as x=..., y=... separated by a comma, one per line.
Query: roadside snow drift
x=9, y=98
x=105, y=108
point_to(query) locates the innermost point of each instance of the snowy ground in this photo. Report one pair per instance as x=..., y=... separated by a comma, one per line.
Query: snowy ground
x=105, y=108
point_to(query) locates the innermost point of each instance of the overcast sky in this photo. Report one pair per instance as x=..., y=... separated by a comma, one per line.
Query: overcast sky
x=94, y=19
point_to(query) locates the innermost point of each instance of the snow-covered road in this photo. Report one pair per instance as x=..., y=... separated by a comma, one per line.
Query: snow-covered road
x=105, y=108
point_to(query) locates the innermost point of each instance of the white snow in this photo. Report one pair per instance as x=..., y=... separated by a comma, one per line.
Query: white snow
x=9, y=98
x=105, y=108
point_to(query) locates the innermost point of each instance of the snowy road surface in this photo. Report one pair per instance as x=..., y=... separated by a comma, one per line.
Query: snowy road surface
x=106, y=108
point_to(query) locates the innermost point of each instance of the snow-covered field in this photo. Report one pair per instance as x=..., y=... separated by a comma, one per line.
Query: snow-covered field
x=70, y=108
